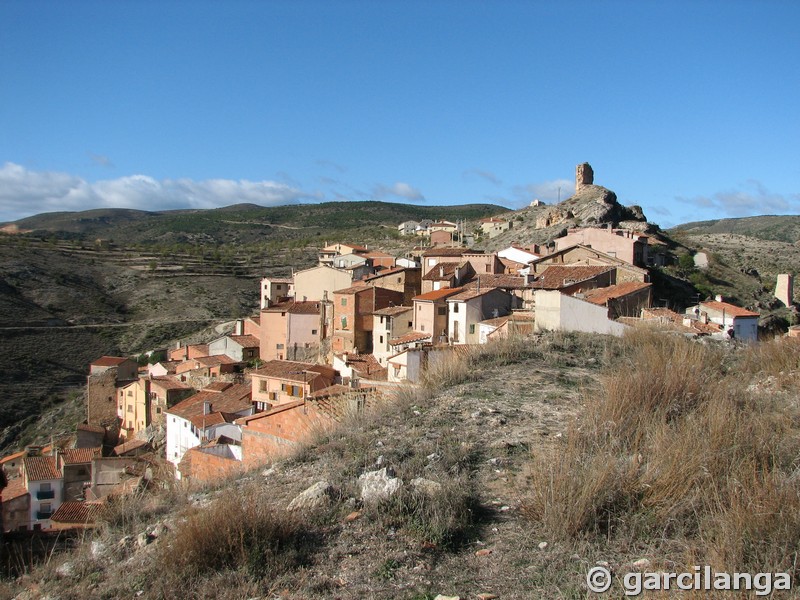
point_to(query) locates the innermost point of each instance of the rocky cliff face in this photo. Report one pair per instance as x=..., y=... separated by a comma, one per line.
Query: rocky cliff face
x=592, y=205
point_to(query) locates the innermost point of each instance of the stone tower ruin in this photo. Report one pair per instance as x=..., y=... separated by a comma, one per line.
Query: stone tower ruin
x=784, y=288
x=583, y=176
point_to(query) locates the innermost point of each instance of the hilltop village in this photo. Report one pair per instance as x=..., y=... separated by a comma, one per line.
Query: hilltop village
x=332, y=340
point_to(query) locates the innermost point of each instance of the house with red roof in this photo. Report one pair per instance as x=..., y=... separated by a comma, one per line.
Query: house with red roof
x=241, y=348
x=430, y=314
x=16, y=505
x=353, y=308
x=205, y=416
x=734, y=321
x=282, y=381
x=626, y=299
x=44, y=482
x=467, y=308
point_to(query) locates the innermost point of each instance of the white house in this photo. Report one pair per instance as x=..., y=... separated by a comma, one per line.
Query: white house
x=408, y=227
x=206, y=416
x=45, y=484
x=389, y=323
x=735, y=322
x=467, y=309
x=517, y=254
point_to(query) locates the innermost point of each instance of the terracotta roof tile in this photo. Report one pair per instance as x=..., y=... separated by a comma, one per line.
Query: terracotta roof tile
x=217, y=386
x=510, y=282
x=75, y=456
x=438, y=294
x=409, y=338
x=15, y=489
x=602, y=295
x=293, y=371
x=385, y=272
x=442, y=272
x=217, y=359
x=234, y=399
x=167, y=383
x=92, y=428
x=470, y=294
x=446, y=252
x=108, y=361
x=355, y=289
x=367, y=366
x=40, y=468
x=730, y=309
x=130, y=446
x=77, y=512
x=295, y=308
x=246, y=341
x=393, y=311
x=556, y=277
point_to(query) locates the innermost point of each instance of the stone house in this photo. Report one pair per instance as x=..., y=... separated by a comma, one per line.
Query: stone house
x=622, y=300
x=626, y=245
x=430, y=314
x=16, y=505
x=493, y=226
x=407, y=227
x=390, y=323
x=317, y=283
x=183, y=353
x=331, y=251
x=106, y=375
x=241, y=348
x=291, y=330
x=275, y=289
x=583, y=255
x=446, y=275
x=380, y=260
x=469, y=307
x=353, y=308
x=75, y=465
x=281, y=381
x=558, y=312
x=441, y=238
x=400, y=279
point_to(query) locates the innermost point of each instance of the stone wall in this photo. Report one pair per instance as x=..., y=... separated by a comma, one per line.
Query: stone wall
x=584, y=175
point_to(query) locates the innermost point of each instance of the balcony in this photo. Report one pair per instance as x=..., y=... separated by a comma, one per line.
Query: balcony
x=41, y=515
x=49, y=495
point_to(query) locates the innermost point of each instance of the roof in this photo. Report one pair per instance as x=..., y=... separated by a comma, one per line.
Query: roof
x=730, y=309
x=354, y=289
x=40, y=468
x=76, y=456
x=438, y=294
x=15, y=489
x=510, y=282
x=130, y=446
x=602, y=295
x=293, y=370
x=278, y=280
x=109, y=361
x=295, y=308
x=20, y=454
x=234, y=399
x=496, y=322
x=217, y=359
x=217, y=386
x=278, y=408
x=386, y=272
x=336, y=389
x=77, y=512
x=470, y=294
x=442, y=271
x=446, y=251
x=393, y=311
x=167, y=383
x=366, y=366
x=214, y=418
x=409, y=338
x=556, y=277
x=245, y=341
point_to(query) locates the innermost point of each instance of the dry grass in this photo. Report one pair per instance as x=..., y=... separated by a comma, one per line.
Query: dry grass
x=677, y=446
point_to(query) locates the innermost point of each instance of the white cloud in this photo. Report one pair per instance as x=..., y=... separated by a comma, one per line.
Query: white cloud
x=24, y=193
x=547, y=191
x=752, y=198
x=399, y=189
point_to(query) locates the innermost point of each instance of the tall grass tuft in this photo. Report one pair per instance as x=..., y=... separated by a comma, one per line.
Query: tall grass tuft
x=679, y=443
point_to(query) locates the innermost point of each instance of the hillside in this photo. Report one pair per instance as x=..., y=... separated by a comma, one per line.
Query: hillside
x=538, y=459
x=779, y=228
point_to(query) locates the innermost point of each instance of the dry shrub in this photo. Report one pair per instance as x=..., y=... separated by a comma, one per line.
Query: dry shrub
x=678, y=444
x=238, y=531
x=778, y=358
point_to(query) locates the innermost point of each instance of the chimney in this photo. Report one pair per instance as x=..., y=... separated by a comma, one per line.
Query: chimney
x=718, y=298
x=207, y=406
x=238, y=328
x=441, y=271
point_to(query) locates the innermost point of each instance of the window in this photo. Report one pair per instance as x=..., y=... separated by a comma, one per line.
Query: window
x=455, y=331
x=455, y=307
x=158, y=410
x=472, y=328
x=130, y=407
x=313, y=332
x=130, y=393
x=344, y=301
x=262, y=385
x=381, y=339
x=422, y=328
x=399, y=280
x=279, y=346
x=344, y=322
x=442, y=310
x=410, y=324
x=488, y=269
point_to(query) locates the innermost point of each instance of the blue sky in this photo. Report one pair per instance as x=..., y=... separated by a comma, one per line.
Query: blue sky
x=689, y=109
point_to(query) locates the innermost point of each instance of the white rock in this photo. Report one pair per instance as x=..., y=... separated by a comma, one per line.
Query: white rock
x=379, y=485
x=642, y=563
x=66, y=569
x=542, y=545
x=316, y=495
x=98, y=549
